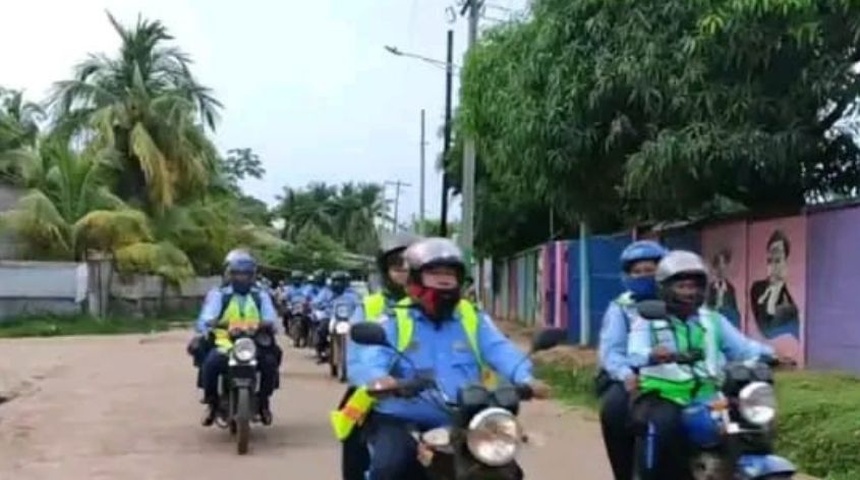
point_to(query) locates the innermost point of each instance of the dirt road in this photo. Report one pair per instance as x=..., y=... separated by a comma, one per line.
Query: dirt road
x=125, y=408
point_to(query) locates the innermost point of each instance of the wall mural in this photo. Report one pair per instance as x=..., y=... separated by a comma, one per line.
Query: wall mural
x=758, y=279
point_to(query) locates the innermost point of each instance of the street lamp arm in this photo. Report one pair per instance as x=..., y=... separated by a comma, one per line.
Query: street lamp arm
x=439, y=63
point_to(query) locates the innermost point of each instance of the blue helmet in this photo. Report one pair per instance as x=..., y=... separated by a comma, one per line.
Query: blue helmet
x=642, y=288
x=642, y=250
x=242, y=263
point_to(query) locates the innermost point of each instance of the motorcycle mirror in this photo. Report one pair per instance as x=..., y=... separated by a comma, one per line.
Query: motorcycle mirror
x=652, y=309
x=369, y=333
x=548, y=338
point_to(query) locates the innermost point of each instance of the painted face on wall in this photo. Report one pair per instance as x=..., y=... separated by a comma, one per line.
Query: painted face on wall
x=721, y=265
x=777, y=262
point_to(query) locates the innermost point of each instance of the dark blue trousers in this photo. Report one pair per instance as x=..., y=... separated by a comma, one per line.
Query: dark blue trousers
x=393, y=451
x=215, y=365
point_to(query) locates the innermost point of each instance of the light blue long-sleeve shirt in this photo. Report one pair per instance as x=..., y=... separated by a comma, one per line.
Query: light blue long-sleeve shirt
x=733, y=344
x=294, y=294
x=445, y=351
x=310, y=290
x=358, y=316
x=613, y=341
x=322, y=299
x=213, y=303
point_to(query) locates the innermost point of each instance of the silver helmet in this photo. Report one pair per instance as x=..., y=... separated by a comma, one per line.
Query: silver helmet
x=680, y=262
x=432, y=252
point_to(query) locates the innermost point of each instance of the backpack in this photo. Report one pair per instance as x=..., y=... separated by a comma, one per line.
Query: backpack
x=227, y=297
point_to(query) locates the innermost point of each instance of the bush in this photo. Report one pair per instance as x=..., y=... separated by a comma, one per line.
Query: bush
x=819, y=423
x=53, y=326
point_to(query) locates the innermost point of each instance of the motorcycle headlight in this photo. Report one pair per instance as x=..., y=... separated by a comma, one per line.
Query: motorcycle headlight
x=757, y=403
x=342, y=311
x=244, y=350
x=341, y=328
x=494, y=437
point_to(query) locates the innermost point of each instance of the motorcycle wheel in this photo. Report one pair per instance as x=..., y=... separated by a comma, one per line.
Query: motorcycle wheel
x=333, y=356
x=243, y=420
x=342, y=359
x=296, y=332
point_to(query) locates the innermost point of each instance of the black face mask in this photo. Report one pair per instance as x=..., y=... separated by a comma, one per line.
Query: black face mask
x=241, y=287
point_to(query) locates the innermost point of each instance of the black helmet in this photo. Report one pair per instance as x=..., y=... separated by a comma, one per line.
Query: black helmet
x=297, y=276
x=319, y=277
x=434, y=252
x=339, y=281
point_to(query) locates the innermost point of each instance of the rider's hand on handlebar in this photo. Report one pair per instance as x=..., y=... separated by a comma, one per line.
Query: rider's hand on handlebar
x=631, y=383
x=540, y=389
x=660, y=354
x=384, y=383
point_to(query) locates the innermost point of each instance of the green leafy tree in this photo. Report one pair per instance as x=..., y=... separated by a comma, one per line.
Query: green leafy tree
x=618, y=111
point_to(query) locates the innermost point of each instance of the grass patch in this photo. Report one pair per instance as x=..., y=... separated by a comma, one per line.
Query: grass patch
x=819, y=420
x=53, y=326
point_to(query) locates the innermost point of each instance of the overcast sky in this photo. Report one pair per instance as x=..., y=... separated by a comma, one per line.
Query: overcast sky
x=307, y=85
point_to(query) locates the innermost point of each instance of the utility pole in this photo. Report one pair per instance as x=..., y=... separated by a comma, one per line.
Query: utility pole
x=421, y=207
x=449, y=71
x=397, y=184
x=467, y=238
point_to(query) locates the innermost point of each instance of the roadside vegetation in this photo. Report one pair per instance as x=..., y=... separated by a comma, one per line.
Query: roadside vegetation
x=63, y=325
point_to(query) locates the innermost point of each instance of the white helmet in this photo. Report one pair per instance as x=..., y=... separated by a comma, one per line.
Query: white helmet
x=680, y=262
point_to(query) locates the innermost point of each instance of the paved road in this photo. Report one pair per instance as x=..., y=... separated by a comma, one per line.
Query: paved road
x=124, y=408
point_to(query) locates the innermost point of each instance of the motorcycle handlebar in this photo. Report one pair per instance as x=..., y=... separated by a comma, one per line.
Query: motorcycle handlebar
x=403, y=388
x=681, y=358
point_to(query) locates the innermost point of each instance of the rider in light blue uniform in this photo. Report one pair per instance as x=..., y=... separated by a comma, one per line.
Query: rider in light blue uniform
x=338, y=292
x=616, y=380
x=241, y=288
x=295, y=291
x=440, y=345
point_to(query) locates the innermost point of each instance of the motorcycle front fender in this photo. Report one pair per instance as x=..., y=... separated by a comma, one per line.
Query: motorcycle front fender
x=760, y=466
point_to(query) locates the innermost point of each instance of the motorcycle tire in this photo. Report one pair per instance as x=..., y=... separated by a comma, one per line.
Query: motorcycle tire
x=342, y=359
x=243, y=420
x=333, y=357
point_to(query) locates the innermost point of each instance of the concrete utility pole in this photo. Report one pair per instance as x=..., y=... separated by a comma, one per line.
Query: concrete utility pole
x=449, y=82
x=467, y=239
x=421, y=206
x=395, y=227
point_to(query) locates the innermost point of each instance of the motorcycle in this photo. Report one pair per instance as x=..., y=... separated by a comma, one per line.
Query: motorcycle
x=484, y=436
x=731, y=431
x=298, y=324
x=316, y=331
x=238, y=389
x=338, y=331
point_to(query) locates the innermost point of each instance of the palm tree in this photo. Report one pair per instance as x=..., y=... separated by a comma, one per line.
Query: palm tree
x=68, y=210
x=304, y=208
x=359, y=209
x=19, y=121
x=145, y=105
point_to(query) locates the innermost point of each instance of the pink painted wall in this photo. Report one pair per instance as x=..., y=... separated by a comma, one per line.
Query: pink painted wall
x=542, y=287
x=776, y=272
x=766, y=302
x=724, y=247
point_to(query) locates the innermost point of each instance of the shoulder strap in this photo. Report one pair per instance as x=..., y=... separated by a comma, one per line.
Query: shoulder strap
x=470, y=319
x=625, y=301
x=226, y=297
x=404, y=327
x=258, y=300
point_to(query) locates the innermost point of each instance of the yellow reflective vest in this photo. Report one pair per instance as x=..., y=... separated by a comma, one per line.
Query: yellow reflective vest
x=237, y=315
